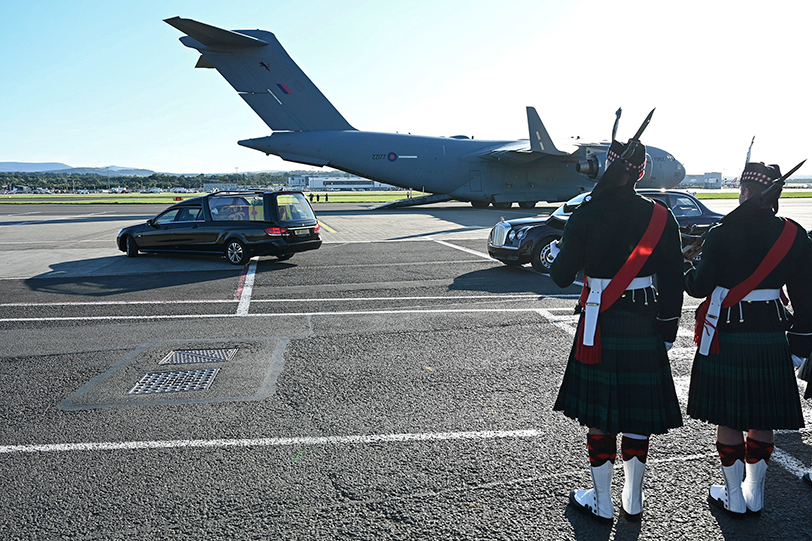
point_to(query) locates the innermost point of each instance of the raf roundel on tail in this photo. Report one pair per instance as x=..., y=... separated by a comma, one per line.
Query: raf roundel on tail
x=306, y=128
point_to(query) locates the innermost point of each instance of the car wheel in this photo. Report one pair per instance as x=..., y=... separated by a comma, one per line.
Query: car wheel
x=540, y=252
x=527, y=204
x=236, y=253
x=284, y=257
x=131, y=246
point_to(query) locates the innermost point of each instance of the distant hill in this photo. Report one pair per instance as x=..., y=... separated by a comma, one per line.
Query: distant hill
x=112, y=171
x=106, y=171
x=24, y=167
x=117, y=171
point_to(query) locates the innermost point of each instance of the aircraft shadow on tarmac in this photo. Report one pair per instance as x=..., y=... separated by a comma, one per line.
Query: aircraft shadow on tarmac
x=109, y=276
x=509, y=280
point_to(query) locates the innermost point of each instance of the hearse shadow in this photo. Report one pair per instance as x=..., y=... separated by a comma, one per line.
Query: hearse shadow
x=116, y=275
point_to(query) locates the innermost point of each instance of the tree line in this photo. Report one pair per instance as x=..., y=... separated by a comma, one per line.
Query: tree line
x=93, y=181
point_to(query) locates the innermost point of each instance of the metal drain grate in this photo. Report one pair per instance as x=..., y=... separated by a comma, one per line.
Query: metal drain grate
x=199, y=356
x=175, y=382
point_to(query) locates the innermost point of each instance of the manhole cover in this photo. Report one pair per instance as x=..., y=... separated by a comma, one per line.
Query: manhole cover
x=175, y=382
x=199, y=356
x=249, y=375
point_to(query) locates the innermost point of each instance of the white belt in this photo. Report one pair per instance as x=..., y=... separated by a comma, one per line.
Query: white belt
x=593, y=302
x=715, y=308
x=763, y=295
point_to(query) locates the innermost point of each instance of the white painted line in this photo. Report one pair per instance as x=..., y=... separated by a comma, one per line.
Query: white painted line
x=508, y=296
x=411, y=239
x=49, y=219
x=466, y=250
x=685, y=333
x=788, y=462
x=488, y=257
x=282, y=314
x=114, y=303
x=403, y=264
x=247, y=288
x=565, y=323
x=51, y=241
x=270, y=442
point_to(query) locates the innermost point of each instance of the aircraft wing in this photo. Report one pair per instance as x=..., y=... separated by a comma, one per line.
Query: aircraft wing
x=538, y=146
x=518, y=152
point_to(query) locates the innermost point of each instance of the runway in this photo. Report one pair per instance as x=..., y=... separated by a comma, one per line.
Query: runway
x=395, y=384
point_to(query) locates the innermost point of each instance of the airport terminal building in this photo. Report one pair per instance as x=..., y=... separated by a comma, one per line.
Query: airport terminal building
x=705, y=180
x=324, y=183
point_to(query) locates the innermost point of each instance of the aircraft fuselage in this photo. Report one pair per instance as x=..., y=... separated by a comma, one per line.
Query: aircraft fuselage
x=452, y=165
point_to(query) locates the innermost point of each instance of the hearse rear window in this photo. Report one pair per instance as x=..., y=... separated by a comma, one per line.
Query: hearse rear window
x=293, y=207
x=244, y=208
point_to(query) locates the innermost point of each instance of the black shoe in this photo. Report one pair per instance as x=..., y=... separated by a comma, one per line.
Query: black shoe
x=633, y=518
x=808, y=479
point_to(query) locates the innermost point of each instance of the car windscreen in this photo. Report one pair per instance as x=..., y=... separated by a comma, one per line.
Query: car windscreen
x=293, y=207
x=167, y=217
x=242, y=208
x=563, y=212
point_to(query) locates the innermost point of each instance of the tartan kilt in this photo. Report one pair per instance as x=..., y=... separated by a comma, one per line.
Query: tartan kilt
x=631, y=389
x=749, y=385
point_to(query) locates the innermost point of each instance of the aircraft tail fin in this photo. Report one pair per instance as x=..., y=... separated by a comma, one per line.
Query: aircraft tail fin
x=264, y=75
x=540, y=140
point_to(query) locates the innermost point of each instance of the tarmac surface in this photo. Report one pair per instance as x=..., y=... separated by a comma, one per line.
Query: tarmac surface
x=395, y=384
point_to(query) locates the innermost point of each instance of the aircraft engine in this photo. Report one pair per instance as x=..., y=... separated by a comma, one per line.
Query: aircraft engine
x=595, y=165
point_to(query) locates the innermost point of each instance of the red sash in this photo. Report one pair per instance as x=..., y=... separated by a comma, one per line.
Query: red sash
x=737, y=293
x=619, y=283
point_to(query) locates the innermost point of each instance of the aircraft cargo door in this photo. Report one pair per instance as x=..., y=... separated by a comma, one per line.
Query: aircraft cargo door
x=475, y=182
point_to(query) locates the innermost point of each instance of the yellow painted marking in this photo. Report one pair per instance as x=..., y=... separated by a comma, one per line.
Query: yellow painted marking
x=327, y=227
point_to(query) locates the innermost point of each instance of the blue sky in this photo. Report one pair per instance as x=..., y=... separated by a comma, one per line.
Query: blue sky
x=92, y=83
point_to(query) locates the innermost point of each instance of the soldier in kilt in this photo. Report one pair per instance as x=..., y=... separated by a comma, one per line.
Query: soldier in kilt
x=742, y=378
x=622, y=382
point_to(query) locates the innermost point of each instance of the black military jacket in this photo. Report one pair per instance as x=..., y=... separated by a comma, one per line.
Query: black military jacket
x=732, y=251
x=599, y=237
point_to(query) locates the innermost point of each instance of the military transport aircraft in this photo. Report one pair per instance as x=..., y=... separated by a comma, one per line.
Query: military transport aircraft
x=307, y=129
